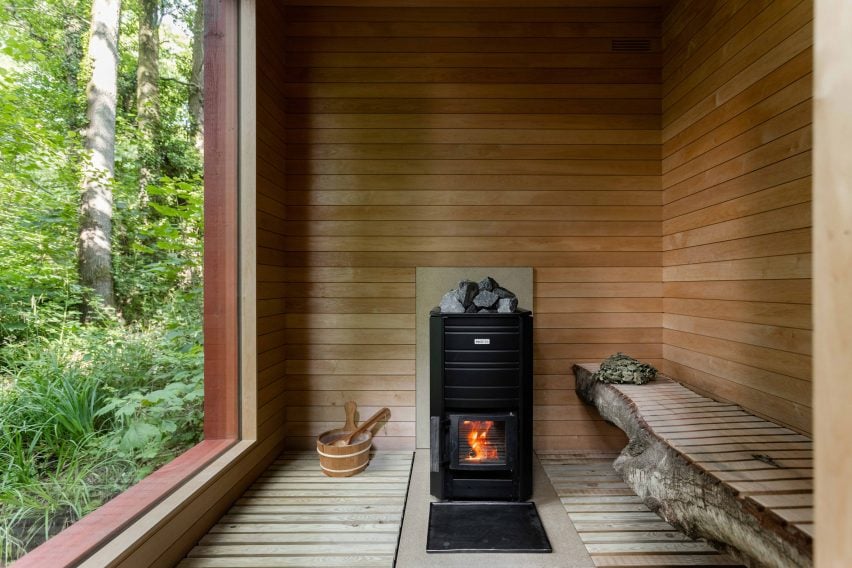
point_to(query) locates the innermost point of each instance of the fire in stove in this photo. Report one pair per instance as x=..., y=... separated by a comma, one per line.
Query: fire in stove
x=477, y=439
x=482, y=442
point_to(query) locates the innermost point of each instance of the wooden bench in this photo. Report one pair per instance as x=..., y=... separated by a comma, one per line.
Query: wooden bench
x=712, y=469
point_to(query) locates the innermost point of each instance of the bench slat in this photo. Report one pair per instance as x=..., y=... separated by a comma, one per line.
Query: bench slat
x=781, y=501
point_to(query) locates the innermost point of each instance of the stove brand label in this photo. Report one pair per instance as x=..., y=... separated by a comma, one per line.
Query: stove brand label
x=484, y=341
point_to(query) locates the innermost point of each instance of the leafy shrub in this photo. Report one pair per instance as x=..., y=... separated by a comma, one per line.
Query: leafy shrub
x=87, y=414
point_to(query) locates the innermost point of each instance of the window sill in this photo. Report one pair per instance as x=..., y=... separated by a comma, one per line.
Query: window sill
x=95, y=530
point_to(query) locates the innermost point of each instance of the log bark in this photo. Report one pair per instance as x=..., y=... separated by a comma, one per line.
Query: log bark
x=94, y=248
x=685, y=495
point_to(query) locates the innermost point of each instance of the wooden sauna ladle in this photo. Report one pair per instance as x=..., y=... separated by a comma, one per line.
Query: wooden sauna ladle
x=350, y=407
x=347, y=439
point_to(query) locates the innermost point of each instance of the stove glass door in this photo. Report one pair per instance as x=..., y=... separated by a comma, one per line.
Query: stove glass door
x=483, y=441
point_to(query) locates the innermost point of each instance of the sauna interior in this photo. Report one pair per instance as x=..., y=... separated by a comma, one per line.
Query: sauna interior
x=649, y=160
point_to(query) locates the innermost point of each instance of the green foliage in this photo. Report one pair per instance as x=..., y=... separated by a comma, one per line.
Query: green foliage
x=37, y=188
x=165, y=252
x=86, y=410
x=87, y=414
x=156, y=418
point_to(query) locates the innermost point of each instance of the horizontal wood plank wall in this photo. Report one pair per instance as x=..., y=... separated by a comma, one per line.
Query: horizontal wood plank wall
x=736, y=195
x=271, y=216
x=463, y=137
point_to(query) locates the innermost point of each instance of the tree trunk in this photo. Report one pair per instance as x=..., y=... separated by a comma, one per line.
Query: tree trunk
x=148, y=94
x=148, y=68
x=196, y=78
x=94, y=250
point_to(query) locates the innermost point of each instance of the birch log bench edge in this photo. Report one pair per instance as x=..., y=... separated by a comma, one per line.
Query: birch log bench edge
x=747, y=491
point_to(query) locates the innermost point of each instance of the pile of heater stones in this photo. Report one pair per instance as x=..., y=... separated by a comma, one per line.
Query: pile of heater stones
x=475, y=298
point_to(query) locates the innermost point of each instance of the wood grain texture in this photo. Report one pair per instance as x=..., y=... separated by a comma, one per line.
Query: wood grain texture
x=736, y=180
x=271, y=211
x=221, y=244
x=455, y=135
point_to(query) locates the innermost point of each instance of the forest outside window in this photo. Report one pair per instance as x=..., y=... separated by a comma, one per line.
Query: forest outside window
x=104, y=308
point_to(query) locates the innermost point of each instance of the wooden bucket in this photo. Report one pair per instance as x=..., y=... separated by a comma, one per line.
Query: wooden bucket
x=343, y=461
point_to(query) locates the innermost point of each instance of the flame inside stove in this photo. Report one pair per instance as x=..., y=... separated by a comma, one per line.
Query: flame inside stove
x=477, y=438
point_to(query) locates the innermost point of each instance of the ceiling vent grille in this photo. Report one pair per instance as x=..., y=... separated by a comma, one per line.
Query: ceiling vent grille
x=632, y=45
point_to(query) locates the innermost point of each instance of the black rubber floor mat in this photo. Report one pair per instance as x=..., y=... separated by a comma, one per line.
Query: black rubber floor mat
x=465, y=526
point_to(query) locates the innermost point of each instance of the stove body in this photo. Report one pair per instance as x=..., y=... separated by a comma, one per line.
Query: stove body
x=481, y=377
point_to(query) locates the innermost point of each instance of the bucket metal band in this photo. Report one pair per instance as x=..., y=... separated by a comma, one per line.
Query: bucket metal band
x=320, y=452
x=362, y=466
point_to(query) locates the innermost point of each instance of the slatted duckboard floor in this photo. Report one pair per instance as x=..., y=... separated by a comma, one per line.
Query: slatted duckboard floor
x=615, y=526
x=293, y=515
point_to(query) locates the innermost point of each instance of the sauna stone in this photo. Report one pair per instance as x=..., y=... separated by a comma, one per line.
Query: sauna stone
x=450, y=303
x=502, y=293
x=488, y=284
x=466, y=292
x=484, y=297
x=507, y=305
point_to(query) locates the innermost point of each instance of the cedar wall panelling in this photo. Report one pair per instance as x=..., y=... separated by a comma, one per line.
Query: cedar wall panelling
x=271, y=216
x=460, y=137
x=736, y=203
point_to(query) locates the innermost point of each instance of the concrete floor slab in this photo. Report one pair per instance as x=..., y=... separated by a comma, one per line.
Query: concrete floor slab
x=568, y=549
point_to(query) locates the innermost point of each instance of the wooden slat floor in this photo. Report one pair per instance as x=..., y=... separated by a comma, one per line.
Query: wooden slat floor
x=615, y=526
x=293, y=515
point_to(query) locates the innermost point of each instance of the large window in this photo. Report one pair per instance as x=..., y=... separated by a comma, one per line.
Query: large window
x=102, y=295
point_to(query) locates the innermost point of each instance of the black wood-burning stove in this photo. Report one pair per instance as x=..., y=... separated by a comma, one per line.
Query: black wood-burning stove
x=481, y=406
